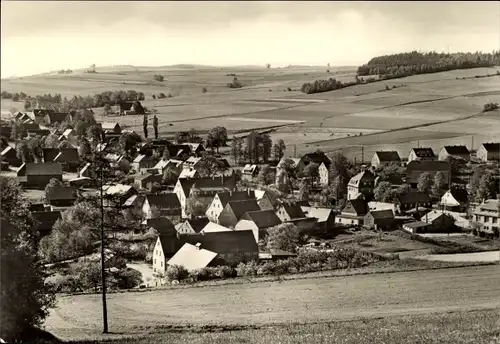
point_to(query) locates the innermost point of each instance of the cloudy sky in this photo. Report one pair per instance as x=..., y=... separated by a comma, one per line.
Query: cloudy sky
x=42, y=36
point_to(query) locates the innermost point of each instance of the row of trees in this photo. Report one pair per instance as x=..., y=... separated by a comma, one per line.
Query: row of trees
x=256, y=147
x=405, y=64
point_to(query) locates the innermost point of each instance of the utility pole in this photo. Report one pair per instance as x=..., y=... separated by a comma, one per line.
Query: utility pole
x=418, y=144
x=362, y=155
x=472, y=143
x=295, y=150
x=103, y=269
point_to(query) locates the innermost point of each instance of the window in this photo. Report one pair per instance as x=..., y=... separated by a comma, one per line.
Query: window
x=161, y=264
x=155, y=260
x=494, y=219
x=486, y=219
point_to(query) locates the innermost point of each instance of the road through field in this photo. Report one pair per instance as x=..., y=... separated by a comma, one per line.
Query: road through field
x=298, y=301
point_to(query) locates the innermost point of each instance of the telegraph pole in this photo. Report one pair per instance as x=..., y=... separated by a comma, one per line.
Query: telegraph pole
x=103, y=268
x=362, y=155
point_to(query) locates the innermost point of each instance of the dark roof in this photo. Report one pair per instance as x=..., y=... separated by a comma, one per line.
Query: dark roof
x=293, y=210
x=163, y=225
x=388, y=156
x=492, y=146
x=60, y=193
x=382, y=214
x=42, y=112
x=425, y=152
x=43, y=169
x=68, y=155
x=164, y=200
x=37, y=207
x=239, y=208
x=217, y=184
x=198, y=224
x=414, y=197
x=415, y=168
x=262, y=218
x=360, y=206
x=303, y=203
x=235, y=196
x=318, y=158
x=49, y=154
x=57, y=117
x=31, y=126
x=225, y=242
x=45, y=219
x=460, y=195
x=126, y=105
x=457, y=150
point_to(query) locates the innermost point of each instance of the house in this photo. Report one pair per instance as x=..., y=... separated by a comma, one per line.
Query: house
x=111, y=128
x=379, y=219
x=195, y=148
x=263, y=199
x=191, y=163
x=70, y=136
x=68, y=158
x=258, y=221
x=489, y=152
x=276, y=254
x=231, y=246
x=316, y=158
x=439, y=221
x=55, y=118
x=353, y=213
x=125, y=106
x=454, y=151
x=37, y=132
x=189, y=173
x=362, y=185
x=165, y=247
x=145, y=181
x=117, y=194
x=38, y=175
x=418, y=154
x=324, y=174
x=487, y=215
x=113, y=159
x=38, y=207
x=134, y=203
x=416, y=168
x=325, y=216
x=162, y=205
x=192, y=257
x=9, y=155
x=416, y=227
x=202, y=187
x=212, y=227
x=192, y=226
x=234, y=211
x=385, y=158
x=176, y=165
x=85, y=171
x=249, y=172
x=412, y=200
x=221, y=199
x=44, y=221
x=289, y=210
x=142, y=162
x=61, y=196
x=49, y=154
x=382, y=206
x=455, y=199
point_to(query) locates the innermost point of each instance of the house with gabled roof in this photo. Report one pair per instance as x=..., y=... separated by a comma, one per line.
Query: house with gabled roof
x=189, y=173
x=38, y=175
x=221, y=199
x=416, y=168
x=111, y=128
x=117, y=194
x=68, y=158
x=361, y=185
x=192, y=257
x=192, y=226
x=439, y=221
x=234, y=211
x=60, y=196
x=9, y=155
x=413, y=200
x=288, y=211
x=353, y=213
x=55, y=118
x=44, y=221
x=487, y=215
x=145, y=181
x=379, y=219
x=385, y=158
x=69, y=135
x=195, y=148
x=263, y=199
x=85, y=171
x=258, y=221
x=249, y=172
x=325, y=217
x=49, y=154
x=142, y=162
x=212, y=227
x=421, y=153
x=162, y=205
x=454, y=151
x=455, y=199
x=488, y=152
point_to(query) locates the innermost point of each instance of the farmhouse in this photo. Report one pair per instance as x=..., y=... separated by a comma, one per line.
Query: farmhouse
x=381, y=206
x=192, y=226
x=325, y=217
x=54, y=117
x=38, y=175
x=439, y=221
x=362, y=185
x=412, y=200
x=316, y=158
x=61, y=196
x=415, y=168
x=249, y=172
x=111, y=128
x=288, y=211
x=142, y=162
x=385, y=158
x=353, y=213
x=234, y=211
x=221, y=199
x=455, y=199
x=454, y=151
x=489, y=152
x=258, y=221
x=145, y=181
x=487, y=215
x=324, y=174
x=192, y=257
x=167, y=243
x=9, y=154
x=68, y=158
x=379, y=219
x=162, y=205
x=416, y=227
x=418, y=154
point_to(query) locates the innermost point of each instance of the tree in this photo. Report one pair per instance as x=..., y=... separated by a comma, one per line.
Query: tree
x=488, y=187
x=166, y=154
x=304, y=191
x=209, y=165
x=84, y=148
x=383, y=192
x=124, y=166
x=439, y=185
x=283, y=237
x=204, y=90
x=159, y=77
x=94, y=134
x=170, y=176
x=265, y=145
x=268, y=65
x=279, y=149
x=311, y=172
x=252, y=148
x=89, y=275
x=182, y=137
x=51, y=141
x=425, y=182
x=107, y=109
x=265, y=176
x=36, y=148
x=196, y=206
x=128, y=143
x=23, y=152
x=24, y=296
x=217, y=137
x=236, y=149
x=193, y=136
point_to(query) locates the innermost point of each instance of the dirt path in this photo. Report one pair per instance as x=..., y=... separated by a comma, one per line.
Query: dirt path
x=299, y=301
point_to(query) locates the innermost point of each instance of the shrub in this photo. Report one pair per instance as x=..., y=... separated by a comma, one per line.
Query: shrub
x=248, y=269
x=204, y=90
x=176, y=273
x=161, y=95
x=159, y=77
x=128, y=278
x=490, y=107
x=224, y=271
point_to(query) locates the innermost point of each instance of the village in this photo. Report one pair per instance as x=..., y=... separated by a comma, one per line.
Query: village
x=186, y=203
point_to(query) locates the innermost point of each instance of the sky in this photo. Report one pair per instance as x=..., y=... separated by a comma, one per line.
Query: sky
x=42, y=36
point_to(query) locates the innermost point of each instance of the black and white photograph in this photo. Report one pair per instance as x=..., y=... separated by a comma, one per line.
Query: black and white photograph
x=264, y=172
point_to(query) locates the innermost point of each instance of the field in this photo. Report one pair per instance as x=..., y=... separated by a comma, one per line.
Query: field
x=398, y=118
x=305, y=301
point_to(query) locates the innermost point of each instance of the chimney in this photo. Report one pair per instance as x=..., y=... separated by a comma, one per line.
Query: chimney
x=248, y=191
x=198, y=246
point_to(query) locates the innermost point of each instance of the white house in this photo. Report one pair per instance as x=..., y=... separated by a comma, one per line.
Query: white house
x=221, y=199
x=489, y=152
x=421, y=154
x=324, y=174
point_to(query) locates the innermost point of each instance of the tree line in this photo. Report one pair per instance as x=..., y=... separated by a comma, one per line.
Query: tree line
x=412, y=63
x=256, y=147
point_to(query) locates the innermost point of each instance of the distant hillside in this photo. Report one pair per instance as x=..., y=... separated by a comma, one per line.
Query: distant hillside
x=406, y=64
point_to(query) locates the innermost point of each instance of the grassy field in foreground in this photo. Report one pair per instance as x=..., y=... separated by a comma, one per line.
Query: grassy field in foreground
x=478, y=327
